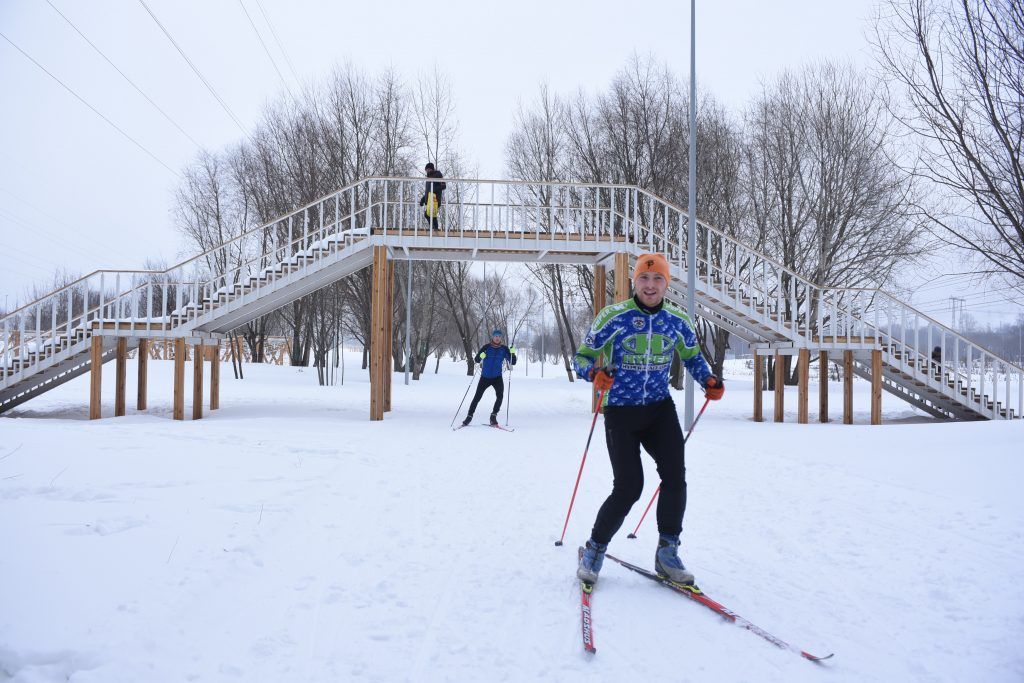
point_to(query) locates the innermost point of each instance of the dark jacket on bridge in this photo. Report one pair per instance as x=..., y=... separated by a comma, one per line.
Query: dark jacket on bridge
x=437, y=188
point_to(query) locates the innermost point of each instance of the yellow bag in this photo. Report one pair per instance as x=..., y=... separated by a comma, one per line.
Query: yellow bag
x=433, y=206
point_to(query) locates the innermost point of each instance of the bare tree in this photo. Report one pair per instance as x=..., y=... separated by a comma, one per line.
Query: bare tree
x=434, y=118
x=825, y=199
x=960, y=64
x=460, y=292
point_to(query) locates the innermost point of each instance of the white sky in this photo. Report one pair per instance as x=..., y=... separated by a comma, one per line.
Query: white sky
x=98, y=201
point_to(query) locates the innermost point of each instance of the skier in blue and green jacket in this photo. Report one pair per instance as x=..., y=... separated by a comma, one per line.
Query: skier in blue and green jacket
x=492, y=358
x=627, y=354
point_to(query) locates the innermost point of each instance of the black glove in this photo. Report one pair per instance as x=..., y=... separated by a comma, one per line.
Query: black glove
x=423, y=200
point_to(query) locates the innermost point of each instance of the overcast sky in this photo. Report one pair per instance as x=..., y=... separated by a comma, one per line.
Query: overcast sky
x=96, y=200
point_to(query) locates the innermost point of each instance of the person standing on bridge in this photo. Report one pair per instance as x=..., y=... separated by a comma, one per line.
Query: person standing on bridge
x=627, y=355
x=433, y=195
x=492, y=358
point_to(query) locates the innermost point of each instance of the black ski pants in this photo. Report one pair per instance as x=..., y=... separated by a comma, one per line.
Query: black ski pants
x=656, y=428
x=499, y=388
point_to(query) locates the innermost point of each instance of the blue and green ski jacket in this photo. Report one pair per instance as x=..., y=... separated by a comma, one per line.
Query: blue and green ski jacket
x=640, y=344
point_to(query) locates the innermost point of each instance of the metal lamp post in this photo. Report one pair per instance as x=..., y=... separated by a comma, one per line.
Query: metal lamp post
x=691, y=238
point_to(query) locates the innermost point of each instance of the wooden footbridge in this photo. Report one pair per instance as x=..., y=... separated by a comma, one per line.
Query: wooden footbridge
x=376, y=221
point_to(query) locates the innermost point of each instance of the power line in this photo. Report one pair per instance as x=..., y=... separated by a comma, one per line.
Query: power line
x=35, y=260
x=280, y=46
x=33, y=257
x=269, y=56
x=79, y=245
x=195, y=69
x=971, y=295
x=94, y=109
x=952, y=281
x=124, y=76
x=56, y=239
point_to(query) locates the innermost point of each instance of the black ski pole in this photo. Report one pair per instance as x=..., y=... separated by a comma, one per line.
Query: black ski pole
x=459, y=409
x=508, y=404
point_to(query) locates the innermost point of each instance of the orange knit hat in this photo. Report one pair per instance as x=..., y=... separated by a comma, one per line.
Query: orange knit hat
x=651, y=263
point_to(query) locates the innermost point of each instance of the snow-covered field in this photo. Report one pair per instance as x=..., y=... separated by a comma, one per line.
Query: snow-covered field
x=287, y=538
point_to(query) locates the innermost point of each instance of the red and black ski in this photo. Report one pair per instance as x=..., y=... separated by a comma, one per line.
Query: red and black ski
x=697, y=595
x=586, y=620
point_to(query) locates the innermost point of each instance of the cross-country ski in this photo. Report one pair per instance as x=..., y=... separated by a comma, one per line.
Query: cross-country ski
x=697, y=595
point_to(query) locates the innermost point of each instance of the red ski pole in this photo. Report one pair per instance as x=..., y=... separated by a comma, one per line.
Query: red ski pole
x=597, y=409
x=658, y=490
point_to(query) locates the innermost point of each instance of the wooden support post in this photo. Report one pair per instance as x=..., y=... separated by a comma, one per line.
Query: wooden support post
x=803, y=366
x=140, y=402
x=847, y=387
x=122, y=371
x=178, y=411
x=378, y=328
x=95, y=377
x=622, y=282
x=758, y=393
x=389, y=308
x=197, y=381
x=600, y=301
x=600, y=288
x=780, y=387
x=215, y=376
x=876, y=386
x=823, y=386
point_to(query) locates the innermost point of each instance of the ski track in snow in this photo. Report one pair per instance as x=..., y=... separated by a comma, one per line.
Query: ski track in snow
x=287, y=538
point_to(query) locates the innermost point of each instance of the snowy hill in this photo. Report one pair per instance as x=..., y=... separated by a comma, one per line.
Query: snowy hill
x=287, y=538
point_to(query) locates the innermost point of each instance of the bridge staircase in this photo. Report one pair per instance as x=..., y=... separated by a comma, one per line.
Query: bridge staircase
x=49, y=341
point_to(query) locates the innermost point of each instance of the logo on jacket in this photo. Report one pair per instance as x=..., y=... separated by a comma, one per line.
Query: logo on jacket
x=639, y=323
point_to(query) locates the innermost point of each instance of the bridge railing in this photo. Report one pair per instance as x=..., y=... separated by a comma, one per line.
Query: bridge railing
x=499, y=212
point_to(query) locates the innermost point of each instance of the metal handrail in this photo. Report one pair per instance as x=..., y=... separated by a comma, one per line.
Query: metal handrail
x=76, y=282
x=787, y=299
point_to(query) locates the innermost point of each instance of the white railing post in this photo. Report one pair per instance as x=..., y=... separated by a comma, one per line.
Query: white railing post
x=6, y=357
x=39, y=330
x=1020, y=394
x=981, y=384
x=957, y=376
x=71, y=304
x=53, y=325
x=21, y=340
x=352, y=209
x=928, y=358
x=1007, y=399
x=995, y=387
x=119, y=310
x=102, y=298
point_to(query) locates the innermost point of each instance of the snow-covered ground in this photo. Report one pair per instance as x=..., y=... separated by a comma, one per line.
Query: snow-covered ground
x=287, y=538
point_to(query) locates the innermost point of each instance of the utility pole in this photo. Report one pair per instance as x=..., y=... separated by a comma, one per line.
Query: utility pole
x=956, y=304
x=543, y=358
x=691, y=238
